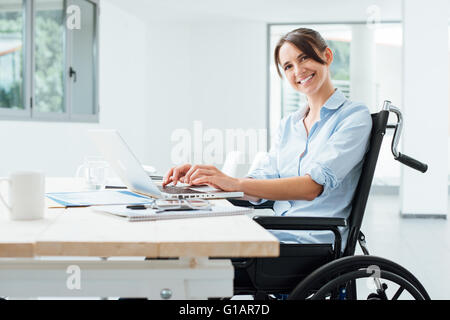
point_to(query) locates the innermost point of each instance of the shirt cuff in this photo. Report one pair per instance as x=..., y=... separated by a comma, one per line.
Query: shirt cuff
x=323, y=176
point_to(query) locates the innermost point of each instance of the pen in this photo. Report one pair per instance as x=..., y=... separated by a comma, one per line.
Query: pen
x=143, y=207
x=138, y=207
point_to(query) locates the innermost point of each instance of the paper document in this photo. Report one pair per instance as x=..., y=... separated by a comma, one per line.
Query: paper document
x=151, y=214
x=95, y=198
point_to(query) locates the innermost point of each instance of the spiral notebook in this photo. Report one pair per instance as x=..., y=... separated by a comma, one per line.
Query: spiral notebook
x=151, y=214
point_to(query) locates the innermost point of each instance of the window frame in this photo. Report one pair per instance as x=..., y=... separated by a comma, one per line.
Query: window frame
x=29, y=113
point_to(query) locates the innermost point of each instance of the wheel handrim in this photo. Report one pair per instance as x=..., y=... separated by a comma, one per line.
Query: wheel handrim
x=365, y=273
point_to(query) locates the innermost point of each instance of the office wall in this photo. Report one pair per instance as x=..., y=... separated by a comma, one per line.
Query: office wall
x=58, y=148
x=154, y=79
x=389, y=74
x=271, y=11
x=426, y=115
x=161, y=69
x=213, y=72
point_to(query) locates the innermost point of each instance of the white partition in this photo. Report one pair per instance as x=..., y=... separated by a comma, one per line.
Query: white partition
x=425, y=107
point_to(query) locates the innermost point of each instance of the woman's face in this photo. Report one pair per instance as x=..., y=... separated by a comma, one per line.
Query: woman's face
x=303, y=73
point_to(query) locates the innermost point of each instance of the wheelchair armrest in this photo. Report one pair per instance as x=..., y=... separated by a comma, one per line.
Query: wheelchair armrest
x=305, y=223
x=245, y=203
x=299, y=223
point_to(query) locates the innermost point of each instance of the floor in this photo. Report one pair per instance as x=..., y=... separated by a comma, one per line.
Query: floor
x=421, y=245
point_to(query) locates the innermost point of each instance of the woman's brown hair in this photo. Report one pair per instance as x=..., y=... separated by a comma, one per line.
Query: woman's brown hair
x=306, y=40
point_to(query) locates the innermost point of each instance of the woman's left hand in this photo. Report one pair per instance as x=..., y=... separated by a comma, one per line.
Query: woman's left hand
x=210, y=175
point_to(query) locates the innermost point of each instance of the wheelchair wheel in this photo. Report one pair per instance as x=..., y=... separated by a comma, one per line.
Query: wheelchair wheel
x=332, y=271
x=342, y=281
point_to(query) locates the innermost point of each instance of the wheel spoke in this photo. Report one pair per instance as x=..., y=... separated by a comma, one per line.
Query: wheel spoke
x=354, y=275
x=398, y=293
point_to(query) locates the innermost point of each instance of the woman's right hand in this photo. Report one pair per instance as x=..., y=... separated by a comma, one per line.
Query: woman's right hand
x=176, y=174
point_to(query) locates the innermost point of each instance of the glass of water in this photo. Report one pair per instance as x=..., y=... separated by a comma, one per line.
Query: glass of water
x=95, y=172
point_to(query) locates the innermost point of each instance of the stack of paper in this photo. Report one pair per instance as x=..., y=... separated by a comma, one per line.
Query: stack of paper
x=151, y=214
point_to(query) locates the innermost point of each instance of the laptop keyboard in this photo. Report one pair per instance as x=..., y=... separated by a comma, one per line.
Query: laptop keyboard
x=177, y=190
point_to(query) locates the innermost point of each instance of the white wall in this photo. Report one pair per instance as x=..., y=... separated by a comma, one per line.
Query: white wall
x=206, y=71
x=426, y=109
x=389, y=76
x=124, y=90
x=154, y=78
x=271, y=11
x=162, y=66
x=57, y=148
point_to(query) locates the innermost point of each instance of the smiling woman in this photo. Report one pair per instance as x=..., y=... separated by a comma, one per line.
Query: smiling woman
x=305, y=40
x=315, y=162
x=305, y=59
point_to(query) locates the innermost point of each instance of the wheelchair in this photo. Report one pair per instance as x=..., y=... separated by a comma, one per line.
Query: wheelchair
x=323, y=271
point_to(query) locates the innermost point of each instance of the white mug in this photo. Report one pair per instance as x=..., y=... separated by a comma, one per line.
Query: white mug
x=26, y=195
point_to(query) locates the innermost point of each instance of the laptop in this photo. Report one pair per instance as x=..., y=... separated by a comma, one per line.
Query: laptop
x=120, y=157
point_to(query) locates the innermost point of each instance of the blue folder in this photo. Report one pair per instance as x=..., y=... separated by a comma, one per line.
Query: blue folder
x=96, y=198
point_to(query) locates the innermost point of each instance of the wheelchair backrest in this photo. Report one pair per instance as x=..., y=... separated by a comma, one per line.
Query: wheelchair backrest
x=379, y=122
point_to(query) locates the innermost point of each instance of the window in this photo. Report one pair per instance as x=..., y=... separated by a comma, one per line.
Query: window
x=49, y=57
x=48, y=71
x=12, y=57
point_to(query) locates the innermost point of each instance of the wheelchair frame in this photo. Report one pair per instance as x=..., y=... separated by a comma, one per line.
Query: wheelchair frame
x=306, y=270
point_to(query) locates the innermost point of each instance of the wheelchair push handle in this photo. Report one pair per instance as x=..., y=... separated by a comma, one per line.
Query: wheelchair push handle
x=403, y=158
x=413, y=163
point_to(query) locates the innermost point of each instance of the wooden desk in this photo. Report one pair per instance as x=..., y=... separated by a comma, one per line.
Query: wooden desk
x=80, y=232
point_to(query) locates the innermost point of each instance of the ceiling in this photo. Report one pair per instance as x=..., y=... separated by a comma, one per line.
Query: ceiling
x=269, y=11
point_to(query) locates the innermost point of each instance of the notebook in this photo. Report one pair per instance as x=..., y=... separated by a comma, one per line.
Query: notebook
x=151, y=214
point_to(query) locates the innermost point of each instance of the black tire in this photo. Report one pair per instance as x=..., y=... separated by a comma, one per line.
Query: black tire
x=342, y=280
x=332, y=270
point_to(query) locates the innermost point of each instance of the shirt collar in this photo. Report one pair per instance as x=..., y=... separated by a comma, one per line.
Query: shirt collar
x=336, y=100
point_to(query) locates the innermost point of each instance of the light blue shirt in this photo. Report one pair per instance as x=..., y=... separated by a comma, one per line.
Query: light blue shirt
x=332, y=154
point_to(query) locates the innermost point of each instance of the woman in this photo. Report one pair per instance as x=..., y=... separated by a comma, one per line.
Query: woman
x=315, y=162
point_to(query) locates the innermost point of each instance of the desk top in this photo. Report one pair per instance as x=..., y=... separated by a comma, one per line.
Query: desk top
x=83, y=232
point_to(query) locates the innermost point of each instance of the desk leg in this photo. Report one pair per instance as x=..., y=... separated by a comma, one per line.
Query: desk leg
x=104, y=259
x=186, y=278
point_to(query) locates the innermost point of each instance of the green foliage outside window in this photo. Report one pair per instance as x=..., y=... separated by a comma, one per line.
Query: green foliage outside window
x=49, y=84
x=49, y=88
x=11, y=65
x=10, y=22
x=340, y=68
x=11, y=98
